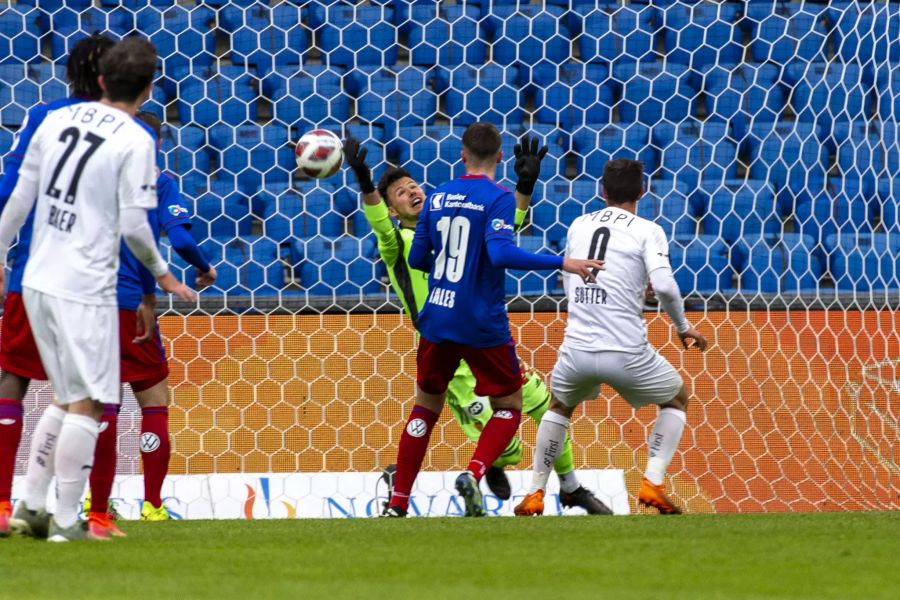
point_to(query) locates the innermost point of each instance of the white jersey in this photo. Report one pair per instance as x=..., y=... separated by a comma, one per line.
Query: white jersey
x=86, y=162
x=608, y=315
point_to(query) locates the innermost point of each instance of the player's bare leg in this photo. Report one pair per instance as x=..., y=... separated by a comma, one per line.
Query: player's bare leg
x=12, y=391
x=155, y=447
x=549, y=443
x=661, y=448
x=412, y=448
x=499, y=430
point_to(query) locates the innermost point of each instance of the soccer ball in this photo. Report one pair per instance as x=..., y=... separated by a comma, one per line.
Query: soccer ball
x=319, y=153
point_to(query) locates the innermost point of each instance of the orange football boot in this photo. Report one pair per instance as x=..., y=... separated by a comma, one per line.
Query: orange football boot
x=5, y=514
x=531, y=505
x=655, y=496
x=103, y=527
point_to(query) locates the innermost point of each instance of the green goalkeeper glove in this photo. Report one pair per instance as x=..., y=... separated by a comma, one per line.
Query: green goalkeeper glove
x=356, y=158
x=528, y=163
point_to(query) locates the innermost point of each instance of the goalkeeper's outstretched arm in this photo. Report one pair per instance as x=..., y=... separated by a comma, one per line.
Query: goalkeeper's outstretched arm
x=528, y=168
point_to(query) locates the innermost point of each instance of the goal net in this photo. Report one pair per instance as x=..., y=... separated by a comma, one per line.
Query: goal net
x=769, y=132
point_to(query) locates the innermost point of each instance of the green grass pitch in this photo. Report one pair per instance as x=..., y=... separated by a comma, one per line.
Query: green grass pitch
x=832, y=555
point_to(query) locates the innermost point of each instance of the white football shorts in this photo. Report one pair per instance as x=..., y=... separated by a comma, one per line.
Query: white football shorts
x=78, y=344
x=640, y=378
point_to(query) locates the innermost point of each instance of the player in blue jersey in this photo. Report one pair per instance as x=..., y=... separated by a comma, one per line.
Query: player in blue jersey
x=464, y=239
x=144, y=365
x=19, y=358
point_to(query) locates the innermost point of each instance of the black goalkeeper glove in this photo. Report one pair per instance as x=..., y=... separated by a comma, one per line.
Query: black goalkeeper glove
x=356, y=158
x=528, y=163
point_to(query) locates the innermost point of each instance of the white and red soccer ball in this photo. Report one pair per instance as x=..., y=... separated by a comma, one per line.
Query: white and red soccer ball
x=319, y=153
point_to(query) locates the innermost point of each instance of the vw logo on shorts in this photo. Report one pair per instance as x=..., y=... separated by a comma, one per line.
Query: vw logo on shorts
x=416, y=428
x=149, y=442
x=503, y=414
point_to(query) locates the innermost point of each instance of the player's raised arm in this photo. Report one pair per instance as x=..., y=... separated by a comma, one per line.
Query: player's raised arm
x=420, y=251
x=528, y=169
x=662, y=281
x=355, y=155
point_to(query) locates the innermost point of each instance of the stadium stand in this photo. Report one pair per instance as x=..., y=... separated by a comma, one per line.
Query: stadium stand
x=768, y=129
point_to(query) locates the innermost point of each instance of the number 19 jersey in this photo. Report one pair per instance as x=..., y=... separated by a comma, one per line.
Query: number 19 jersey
x=85, y=164
x=608, y=315
x=467, y=295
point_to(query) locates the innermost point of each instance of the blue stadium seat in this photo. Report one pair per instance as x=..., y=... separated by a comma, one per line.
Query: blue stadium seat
x=789, y=263
x=572, y=95
x=691, y=159
x=267, y=38
x=703, y=33
x=559, y=202
x=156, y=103
x=528, y=36
x=595, y=145
x=701, y=265
x=736, y=209
x=18, y=93
x=339, y=266
x=888, y=195
x=865, y=32
x=867, y=151
x=668, y=205
x=225, y=95
x=300, y=211
x=828, y=93
x=221, y=215
x=786, y=32
x=66, y=26
x=394, y=97
x=834, y=205
x=308, y=98
x=353, y=36
x=430, y=154
x=184, y=154
x=183, y=35
x=6, y=141
x=19, y=35
x=259, y=267
x=864, y=261
x=888, y=83
x=52, y=81
x=614, y=34
x=654, y=92
x=254, y=155
x=711, y=131
x=742, y=94
x=129, y=4
x=446, y=35
x=788, y=156
x=531, y=283
x=487, y=93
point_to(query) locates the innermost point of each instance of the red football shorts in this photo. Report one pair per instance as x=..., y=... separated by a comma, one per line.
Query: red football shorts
x=143, y=365
x=18, y=351
x=496, y=369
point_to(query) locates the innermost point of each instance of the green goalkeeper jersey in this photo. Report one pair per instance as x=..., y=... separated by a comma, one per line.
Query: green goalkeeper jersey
x=411, y=285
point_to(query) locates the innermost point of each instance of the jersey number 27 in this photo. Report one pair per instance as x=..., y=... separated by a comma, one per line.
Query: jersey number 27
x=71, y=136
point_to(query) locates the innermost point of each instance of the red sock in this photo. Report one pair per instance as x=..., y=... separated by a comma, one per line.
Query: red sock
x=413, y=445
x=155, y=451
x=104, y=471
x=10, y=436
x=494, y=439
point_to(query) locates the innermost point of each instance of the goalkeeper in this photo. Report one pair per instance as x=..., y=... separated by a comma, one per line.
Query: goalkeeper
x=398, y=197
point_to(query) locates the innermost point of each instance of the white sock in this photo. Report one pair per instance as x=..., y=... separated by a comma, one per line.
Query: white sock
x=74, y=458
x=41, y=455
x=663, y=442
x=569, y=482
x=551, y=436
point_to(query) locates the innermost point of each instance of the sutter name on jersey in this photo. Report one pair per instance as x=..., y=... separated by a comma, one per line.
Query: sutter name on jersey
x=590, y=295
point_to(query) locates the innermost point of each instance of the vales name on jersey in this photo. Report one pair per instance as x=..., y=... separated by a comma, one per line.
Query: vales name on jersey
x=442, y=297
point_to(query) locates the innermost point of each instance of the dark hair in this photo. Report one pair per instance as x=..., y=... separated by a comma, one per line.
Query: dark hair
x=623, y=180
x=83, y=66
x=152, y=120
x=388, y=177
x=481, y=140
x=128, y=68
